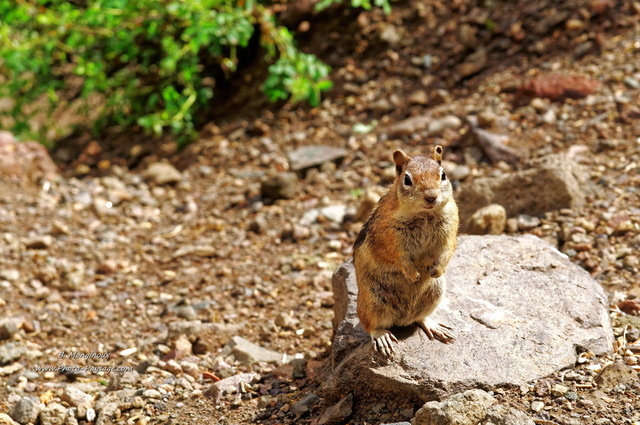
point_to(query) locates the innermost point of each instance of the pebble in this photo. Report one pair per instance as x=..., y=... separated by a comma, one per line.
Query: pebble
x=486, y=119
x=418, y=97
x=10, y=275
x=162, y=173
x=438, y=126
x=281, y=186
x=314, y=155
x=558, y=390
x=53, y=414
x=454, y=171
x=285, y=321
x=39, y=242
x=247, y=352
x=151, y=393
x=76, y=397
x=26, y=410
x=6, y=420
x=489, y=220
x=11, y=351
x=304, y=405
x=527, y=222
x=537, y=406
x=9, y=327
x=571, y=396
x=632, y=82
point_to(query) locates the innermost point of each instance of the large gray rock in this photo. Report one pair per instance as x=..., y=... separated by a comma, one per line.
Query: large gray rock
x=551, y=183
x=520, y=310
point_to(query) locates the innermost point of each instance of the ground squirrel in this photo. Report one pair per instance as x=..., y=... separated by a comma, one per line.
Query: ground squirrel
x=403, y=249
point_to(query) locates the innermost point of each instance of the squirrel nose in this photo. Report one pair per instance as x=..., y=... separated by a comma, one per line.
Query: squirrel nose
x=430, y=199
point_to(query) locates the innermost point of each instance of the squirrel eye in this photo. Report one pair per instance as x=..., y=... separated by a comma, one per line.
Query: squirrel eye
x=443, y=175
x=407, y=180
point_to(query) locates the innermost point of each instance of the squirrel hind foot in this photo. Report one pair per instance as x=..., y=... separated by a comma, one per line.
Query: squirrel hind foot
x=383, y=342
x=435, y=330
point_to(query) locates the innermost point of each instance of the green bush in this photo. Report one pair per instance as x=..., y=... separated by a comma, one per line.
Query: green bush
x=154, y=63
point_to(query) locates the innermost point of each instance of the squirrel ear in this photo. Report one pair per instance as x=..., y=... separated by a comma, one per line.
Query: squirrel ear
x=400, y=158
x=436, y=154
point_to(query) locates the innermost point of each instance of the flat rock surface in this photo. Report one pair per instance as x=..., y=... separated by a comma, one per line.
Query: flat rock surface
x=520, y=310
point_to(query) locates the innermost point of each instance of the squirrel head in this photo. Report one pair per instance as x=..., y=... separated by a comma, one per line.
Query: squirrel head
x=421, y=183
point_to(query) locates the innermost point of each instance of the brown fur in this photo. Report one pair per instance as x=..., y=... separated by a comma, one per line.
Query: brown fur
x=402, y=251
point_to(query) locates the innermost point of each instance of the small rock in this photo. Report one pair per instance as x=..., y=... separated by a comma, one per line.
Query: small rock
x=281, y=186
x=438, y=126
x=9, y=327
x=468, y=408
x=314, y=155
x=53, y=414
x=549, y=117
x=537, y=406
x=615, y=374
x=76, y=397
x=10, y=352
x=183, y=347
x=304, y=405
x=467, y=36
x=285, y=321
x=28, y=162
x=247, y=352
x=473, y=64
x=151, y=393
x=173, y=367
x=418, y=97
x=10, y=275
x=299, y=368
x=39, y=242
x=162, y=173
x=337, y=413
x=189, y=328
x=499, y=414
x=489, y=220
x=486, y=119
x=390, y=34
x=558, y=390
x=496, y=146
x=632, y=82
x=540, y=105
x=26, y=410
x=512, y=225
x=259, y=225
x=107, y=267
x=441, y=96
x=571, y=396
x=455, y=171
x=333, y=213
x=410, y=126
x=527, y=222
x=6, y=420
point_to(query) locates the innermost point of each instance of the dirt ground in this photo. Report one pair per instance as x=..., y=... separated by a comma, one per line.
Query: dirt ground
x=108, y=260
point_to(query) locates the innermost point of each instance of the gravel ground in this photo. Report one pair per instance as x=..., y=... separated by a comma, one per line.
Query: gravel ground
x=138, y=289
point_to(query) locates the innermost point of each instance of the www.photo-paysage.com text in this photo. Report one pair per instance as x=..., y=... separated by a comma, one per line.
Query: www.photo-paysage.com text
x=80, y=369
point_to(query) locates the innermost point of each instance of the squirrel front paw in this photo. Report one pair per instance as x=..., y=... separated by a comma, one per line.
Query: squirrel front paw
x=412, y=274
x=435, y=270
